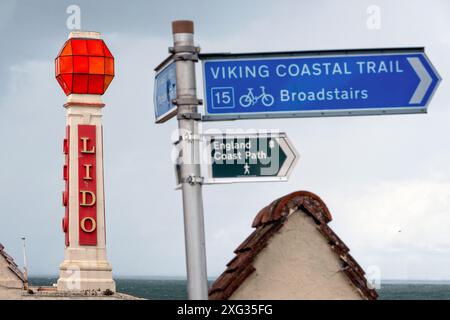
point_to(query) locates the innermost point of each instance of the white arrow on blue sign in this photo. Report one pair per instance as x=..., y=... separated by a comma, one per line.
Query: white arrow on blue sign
x=312, y=84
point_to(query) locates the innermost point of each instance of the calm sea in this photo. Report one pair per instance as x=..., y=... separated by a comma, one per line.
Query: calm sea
x=171, y=289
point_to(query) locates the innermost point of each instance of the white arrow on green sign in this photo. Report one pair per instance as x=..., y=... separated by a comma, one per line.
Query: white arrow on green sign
x=250, y=157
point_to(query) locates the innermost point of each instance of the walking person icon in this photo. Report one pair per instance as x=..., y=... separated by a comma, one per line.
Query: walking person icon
x=246, y=169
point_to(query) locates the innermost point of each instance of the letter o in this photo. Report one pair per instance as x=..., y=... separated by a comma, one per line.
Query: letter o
x=294, y=70
x=83, y=225
x=301, y=96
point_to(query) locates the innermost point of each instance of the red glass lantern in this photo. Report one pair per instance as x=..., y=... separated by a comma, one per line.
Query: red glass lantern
x=84, y=66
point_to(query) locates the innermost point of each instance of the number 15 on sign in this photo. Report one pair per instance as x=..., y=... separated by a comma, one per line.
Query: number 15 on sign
x=223, y=97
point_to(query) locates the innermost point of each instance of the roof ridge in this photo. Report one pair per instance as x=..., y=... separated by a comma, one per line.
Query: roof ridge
x=281, y=207
x=11, y=263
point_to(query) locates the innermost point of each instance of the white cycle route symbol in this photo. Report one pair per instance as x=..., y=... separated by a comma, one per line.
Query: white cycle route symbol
x=250, y=99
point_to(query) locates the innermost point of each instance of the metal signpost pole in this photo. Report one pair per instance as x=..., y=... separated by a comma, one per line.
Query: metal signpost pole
x=185, y=56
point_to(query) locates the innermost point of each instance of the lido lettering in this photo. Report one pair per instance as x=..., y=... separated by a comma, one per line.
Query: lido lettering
x=87, y=184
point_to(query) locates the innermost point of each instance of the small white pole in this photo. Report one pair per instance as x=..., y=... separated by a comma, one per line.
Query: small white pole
x=25, y=264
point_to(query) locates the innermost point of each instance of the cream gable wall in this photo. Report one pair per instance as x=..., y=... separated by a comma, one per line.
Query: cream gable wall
x=297, y=263
x=7, y=278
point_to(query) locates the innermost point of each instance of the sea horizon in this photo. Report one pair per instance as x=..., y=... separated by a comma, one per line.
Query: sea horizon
x=212, y=278
x=175, y=288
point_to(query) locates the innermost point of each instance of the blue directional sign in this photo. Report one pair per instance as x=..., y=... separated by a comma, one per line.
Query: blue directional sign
x=164, y=92
x=358, y=82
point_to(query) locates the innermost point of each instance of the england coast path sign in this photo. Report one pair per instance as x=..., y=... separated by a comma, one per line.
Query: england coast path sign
x=249, y=157
x=314, y=84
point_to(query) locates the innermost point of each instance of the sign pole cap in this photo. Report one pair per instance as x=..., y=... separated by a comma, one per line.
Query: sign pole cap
x=182, y=26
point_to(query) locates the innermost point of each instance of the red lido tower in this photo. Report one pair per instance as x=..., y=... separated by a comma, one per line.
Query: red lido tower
x=84, y=69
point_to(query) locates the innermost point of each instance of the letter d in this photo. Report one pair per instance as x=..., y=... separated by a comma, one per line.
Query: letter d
x=84, y=200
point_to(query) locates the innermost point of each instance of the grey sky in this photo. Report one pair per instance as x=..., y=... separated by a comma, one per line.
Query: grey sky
x=378, y=175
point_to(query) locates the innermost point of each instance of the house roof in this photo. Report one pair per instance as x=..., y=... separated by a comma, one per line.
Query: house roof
x=266, y=223
x=11, y=264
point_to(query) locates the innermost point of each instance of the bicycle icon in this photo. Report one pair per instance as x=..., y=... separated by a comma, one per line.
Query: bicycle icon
x=250, y=99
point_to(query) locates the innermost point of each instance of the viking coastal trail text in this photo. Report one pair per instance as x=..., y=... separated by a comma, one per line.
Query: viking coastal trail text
x=305, y=69
x=300, y=70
